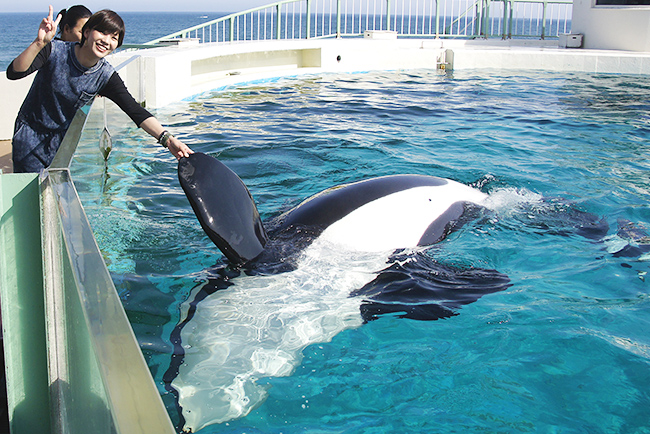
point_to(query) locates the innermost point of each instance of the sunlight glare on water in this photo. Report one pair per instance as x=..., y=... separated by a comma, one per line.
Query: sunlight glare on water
x=564, y=349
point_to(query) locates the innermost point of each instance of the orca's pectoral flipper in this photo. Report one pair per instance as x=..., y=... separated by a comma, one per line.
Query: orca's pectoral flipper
x=418, y=287
x=223, y=206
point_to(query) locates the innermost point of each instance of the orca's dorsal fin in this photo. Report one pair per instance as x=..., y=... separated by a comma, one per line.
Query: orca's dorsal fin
x=223, y=206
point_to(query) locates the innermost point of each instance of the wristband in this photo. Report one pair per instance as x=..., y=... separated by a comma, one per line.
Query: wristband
x=164, y=138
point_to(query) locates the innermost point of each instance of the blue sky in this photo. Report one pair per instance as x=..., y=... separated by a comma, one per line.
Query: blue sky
x=139, y=5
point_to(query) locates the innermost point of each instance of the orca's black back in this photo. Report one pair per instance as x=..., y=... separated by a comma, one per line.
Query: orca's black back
x=331, y=205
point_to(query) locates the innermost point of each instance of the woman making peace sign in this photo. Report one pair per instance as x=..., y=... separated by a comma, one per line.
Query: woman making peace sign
x=69, y=75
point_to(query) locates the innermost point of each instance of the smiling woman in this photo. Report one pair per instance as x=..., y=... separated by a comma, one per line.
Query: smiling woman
x=104, y=32
x=70, y=75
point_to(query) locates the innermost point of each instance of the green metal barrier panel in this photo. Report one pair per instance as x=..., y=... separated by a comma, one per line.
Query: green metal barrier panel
x=72, y=362
x=23, y=315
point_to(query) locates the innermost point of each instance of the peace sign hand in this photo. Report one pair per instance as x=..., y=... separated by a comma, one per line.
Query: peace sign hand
x=47, y=29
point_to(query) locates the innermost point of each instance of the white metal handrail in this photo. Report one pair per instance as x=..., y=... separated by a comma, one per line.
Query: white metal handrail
x=304, y=19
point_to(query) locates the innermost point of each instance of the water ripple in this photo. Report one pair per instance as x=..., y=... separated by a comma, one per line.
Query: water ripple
x=549, y=148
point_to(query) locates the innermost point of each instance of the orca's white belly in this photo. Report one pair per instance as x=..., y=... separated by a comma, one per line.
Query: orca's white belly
x=398, y=220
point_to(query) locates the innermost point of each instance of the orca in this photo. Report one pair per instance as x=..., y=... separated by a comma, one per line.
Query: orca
x=339, y=259
x=379, y=214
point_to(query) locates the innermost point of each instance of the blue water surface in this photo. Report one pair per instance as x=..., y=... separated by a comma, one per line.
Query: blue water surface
x=564, y=349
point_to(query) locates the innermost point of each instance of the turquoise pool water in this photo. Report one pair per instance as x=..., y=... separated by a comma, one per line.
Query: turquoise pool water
x=564, y=349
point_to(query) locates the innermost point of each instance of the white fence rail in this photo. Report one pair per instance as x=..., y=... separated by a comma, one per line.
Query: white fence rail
x=303, y=19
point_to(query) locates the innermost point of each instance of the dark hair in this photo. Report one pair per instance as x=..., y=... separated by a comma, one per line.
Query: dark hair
x=107, y=22
x=73, y=14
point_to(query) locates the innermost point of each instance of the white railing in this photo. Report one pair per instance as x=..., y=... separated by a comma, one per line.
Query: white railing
x=304, y=19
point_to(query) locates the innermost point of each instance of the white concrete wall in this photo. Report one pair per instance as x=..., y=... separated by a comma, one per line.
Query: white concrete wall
x=482, y=54
x=612, y=27
x=13, y=93
x=174, y=73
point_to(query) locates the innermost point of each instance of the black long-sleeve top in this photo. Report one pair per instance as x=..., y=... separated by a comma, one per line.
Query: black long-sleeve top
x=114, y=89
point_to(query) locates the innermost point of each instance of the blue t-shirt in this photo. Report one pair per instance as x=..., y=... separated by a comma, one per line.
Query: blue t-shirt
x=61, y=86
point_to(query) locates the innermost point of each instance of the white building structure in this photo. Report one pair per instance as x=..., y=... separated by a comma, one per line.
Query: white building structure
x=612, y=24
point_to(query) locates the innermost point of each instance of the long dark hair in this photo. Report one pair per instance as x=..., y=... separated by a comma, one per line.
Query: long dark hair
x=73, y=14
x=107, y=22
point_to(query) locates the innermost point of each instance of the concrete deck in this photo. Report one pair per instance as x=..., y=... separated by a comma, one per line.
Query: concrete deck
x=5, y=156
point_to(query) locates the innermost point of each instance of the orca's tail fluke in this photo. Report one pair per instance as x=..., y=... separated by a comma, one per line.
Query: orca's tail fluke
x=223, y=206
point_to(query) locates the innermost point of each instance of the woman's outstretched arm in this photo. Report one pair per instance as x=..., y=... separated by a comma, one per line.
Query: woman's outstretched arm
x=175, y=146
x=46, y=32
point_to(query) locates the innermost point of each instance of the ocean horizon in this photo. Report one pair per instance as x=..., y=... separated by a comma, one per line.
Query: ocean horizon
x=19, y=28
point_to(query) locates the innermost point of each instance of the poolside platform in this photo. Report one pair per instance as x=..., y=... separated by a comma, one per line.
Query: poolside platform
x=5, y=156
x=542, y=55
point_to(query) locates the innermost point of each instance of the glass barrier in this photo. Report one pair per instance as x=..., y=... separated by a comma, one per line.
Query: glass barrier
x=70, y=349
